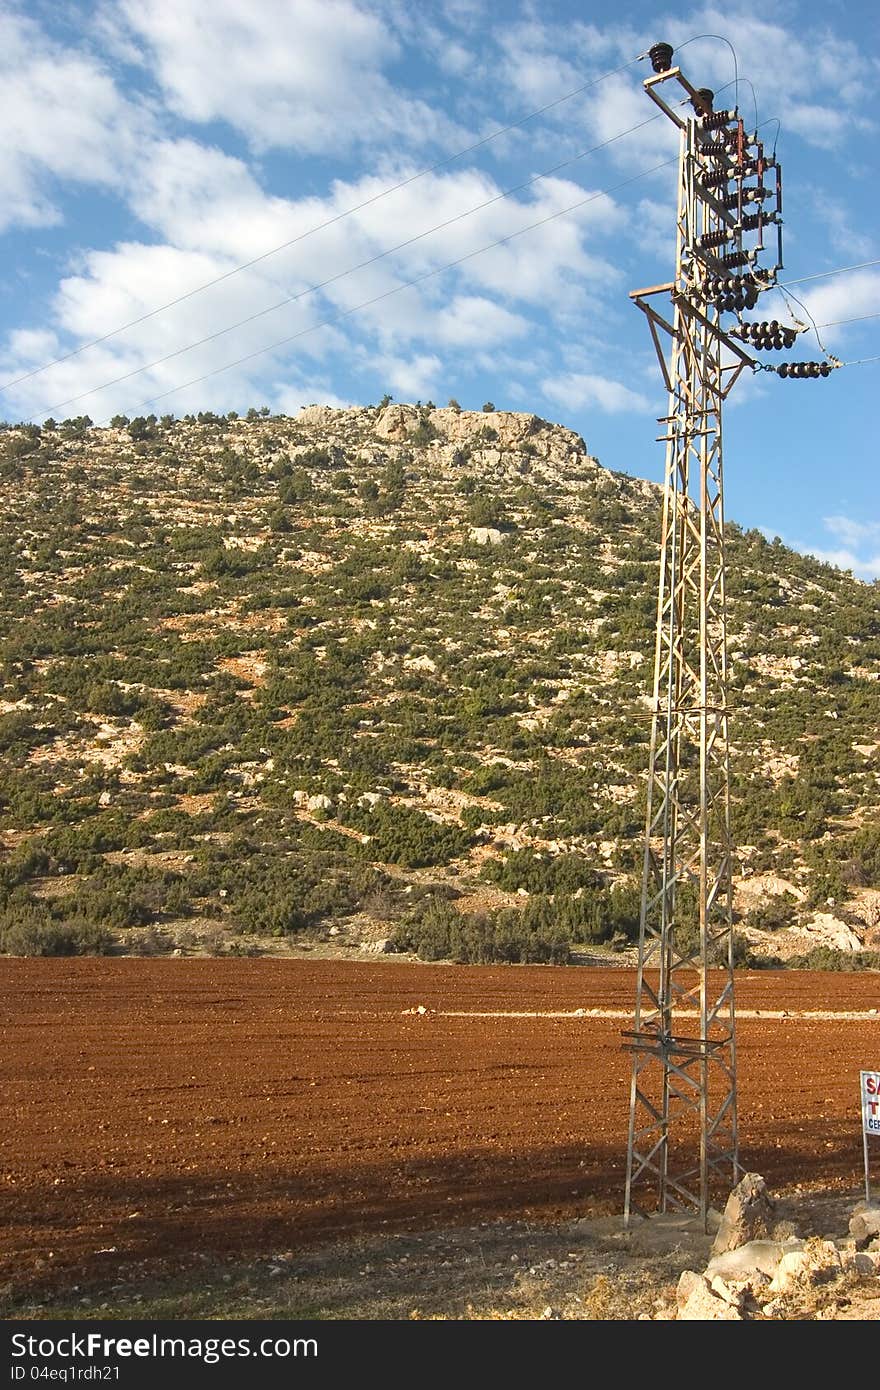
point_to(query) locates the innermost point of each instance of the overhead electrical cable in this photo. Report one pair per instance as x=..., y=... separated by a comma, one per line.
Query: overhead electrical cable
x=330, y=222
x=769, y=121
x=362, y=265
x=787, y=296
x=835, y=323
x=368, y=202
x=821, y=274
x=721, y=39
x=407, y=285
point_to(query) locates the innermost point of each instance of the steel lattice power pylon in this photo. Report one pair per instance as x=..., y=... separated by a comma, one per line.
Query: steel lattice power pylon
x=683, y=1116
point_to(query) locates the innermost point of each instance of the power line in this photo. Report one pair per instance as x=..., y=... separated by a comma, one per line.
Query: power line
x=835, y=323
x=368, y=202
x=362, y=265
x=787, y=296
x=321, y=226
x=820, y=275
x=409, y=284
x=313, y=289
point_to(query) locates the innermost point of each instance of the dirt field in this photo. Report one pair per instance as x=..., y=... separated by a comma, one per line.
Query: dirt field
x=158, y=1112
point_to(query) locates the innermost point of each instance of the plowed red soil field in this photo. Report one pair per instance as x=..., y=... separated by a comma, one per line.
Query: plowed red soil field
x=157, y=1109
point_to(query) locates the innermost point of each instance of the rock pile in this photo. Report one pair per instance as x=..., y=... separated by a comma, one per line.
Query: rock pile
x=760, y=1269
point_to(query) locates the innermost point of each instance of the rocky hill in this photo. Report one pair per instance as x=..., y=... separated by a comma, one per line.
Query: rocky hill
x=378, y=677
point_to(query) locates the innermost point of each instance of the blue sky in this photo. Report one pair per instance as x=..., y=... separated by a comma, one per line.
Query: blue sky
x=151, y=146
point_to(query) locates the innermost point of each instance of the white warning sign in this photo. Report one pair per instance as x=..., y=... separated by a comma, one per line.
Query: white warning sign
x=871, y=1102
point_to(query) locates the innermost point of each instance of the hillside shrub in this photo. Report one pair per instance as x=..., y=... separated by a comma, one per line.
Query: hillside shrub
x=435, y=931
x=400, y=835
x=31, y=931
x=830, y=958
x=541, y=873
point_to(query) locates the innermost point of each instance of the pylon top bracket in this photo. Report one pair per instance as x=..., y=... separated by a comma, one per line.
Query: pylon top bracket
x=652, y=83
x=687, y=309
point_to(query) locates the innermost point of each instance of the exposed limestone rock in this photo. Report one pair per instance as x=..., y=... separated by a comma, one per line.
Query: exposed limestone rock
x=864, y=1224
x=491, y=433
x=749, y=1215
x=817, y=1263
x=688, y=1282
x=383, y=947
x=396, y=422
x=762, y=1256
x=827, y=930
x=754, y=889
x=819, y=1278
x=699, y=1302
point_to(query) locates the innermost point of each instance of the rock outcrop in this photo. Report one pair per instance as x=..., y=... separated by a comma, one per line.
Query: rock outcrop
x=749, y=1215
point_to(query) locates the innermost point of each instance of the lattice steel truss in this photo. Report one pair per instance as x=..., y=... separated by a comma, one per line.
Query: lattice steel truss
x=683, y=1116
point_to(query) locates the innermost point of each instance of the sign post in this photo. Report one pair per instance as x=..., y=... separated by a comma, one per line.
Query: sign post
x=870, y=1088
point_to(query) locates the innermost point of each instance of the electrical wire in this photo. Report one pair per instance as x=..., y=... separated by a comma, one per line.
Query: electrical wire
x=787, y=295
x=322, y=226
x=821, y=275
x=835, y=323
x=362, y=265
x=368, y=202
x=409, y=284
x=749, y=83
x=721, y=39
x=838, y=271
x=769, y=121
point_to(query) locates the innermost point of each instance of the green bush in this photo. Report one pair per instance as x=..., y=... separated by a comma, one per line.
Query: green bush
x=120, y=897
x=779, y=912
x=33, y=932
x=435, y=931
x=541, y=873
x=830, y=958
x=486, y=511
x=423, y=433
x=399, y=835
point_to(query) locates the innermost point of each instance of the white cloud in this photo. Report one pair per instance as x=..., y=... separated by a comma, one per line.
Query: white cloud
x=415, y=378
x=536, y=73
x=289, y=397
x=863, y=567
x=119, y=286
x=619, y=104
x=859, y=551
x=316, y=76
x=62, y=118
x=653, y=227
x=842, y=297
x=852, y=533
x=796, y=69
x=846, y=237
x=212, y=214
x=579, y=390
x=31, y=346
x=305, y=75
x=455, y=58
x=476, y=322
x=200, y=198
